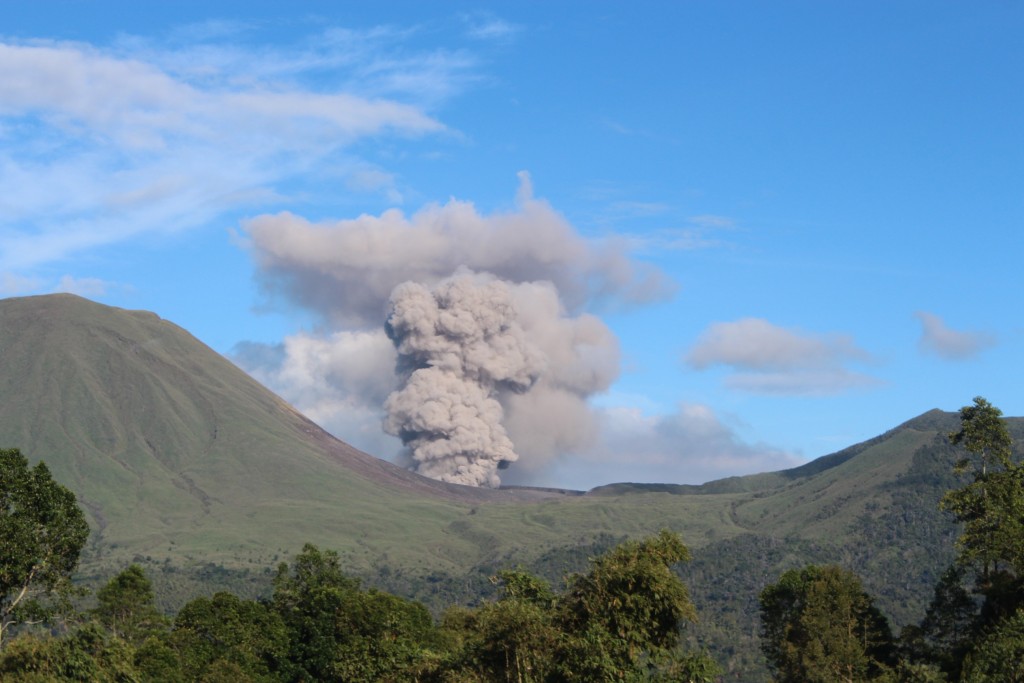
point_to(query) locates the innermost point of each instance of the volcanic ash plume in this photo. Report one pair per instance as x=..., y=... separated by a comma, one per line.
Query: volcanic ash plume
x=459, y=346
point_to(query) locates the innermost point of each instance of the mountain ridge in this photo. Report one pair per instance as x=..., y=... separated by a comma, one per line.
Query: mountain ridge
x=187, y=465
x=124, y=399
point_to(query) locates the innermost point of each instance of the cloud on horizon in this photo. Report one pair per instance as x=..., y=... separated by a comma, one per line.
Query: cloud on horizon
x=940, y=340
x=341, y=380
x=769, y=359
x=692, y=445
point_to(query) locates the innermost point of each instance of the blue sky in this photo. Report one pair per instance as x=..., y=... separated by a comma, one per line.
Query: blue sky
x=737, y=236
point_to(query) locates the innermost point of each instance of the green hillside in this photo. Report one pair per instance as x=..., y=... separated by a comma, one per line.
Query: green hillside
x=177, y=454
x=173, y=450
x=186, y=464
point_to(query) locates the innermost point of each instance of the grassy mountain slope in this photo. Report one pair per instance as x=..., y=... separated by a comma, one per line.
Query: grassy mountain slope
x=187, y=464
x=176, y=453
x=173, y=450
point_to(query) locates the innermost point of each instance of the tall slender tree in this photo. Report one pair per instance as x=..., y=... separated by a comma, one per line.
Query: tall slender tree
x=991, y=508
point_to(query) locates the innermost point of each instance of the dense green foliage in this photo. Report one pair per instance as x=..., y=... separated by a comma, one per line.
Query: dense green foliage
x=336, y=631
x=88, y=654
x=127, y=606
x=819, y=626
x=999, y=654
x=974, y=628
x=619, y=621
x=42, y=531
x=991, y=506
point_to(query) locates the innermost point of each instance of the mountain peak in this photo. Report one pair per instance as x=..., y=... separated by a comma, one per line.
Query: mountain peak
x=161, y=437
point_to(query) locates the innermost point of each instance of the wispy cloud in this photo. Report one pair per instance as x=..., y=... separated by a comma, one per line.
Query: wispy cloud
x=372, y=179
x=486, y=26
x=775, y=360
x=696, y=232
x=84, y=286
x=800, y=382
x=663, y=228
x=712, y=222
x=102, y=144
x=13, y=285
x=940, y=340
x=639, y=133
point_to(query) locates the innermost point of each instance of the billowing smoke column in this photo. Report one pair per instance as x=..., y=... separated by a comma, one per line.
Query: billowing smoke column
x=460, y=345
x=497, y=359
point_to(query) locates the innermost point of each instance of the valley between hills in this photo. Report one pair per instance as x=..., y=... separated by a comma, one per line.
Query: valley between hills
x=189, y=467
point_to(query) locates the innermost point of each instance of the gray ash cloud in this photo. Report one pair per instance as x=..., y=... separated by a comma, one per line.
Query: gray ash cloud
x=496, y=354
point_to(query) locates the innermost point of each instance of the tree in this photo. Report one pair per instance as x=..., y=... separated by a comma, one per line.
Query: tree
x=624, y=615
x=948, y=628
x=819, y=626
x=513, y=639
x=999, y=656
x=983, y=434
x=339, y=632
x=991, y=508
x=696, y=667
x=42, y=532
x=157, y=662
x=228, y=634
x=127, y=606
x=378, y=636
x=87, y=654
x=307, y=596
x=619, y=621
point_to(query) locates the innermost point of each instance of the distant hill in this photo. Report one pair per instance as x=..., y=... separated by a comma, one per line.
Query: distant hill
x=187, y=465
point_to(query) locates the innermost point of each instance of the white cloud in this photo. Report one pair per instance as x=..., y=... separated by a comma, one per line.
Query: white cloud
x=756, y=344
x=776, y=360
x=339, y=381
x=99, y=145
x=346, y=269
x=940, y=340
x=375, y=180
x=12, y=284
x=484, y=26
x=695, y=232
x=84, y=286
x=800, y=382
x=690, y=446
x=453, y=263
x=371, y=63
